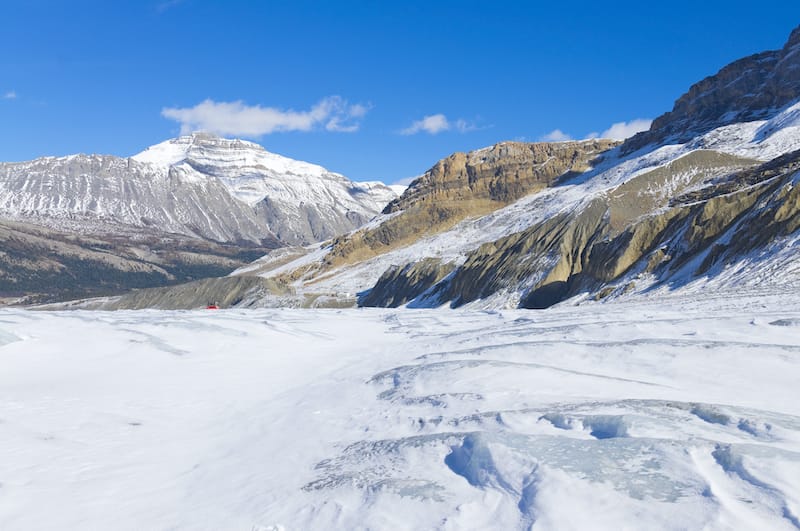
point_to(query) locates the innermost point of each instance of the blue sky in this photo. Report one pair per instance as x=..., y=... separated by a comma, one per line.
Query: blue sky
x=373, y=90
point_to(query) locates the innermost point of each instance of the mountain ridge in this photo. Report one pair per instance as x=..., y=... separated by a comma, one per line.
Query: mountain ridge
x=213, y=191
x=190, y=193
x=707, y=197
x=752, y=88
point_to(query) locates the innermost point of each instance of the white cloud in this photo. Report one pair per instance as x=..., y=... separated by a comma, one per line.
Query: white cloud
x=433, y=124
x=10, y=95
x=406, y=181
x=623, y=130
x=168, y=4
x=617, y=131
x=436, y=123
x=239, y=119
x=463, y=126
x=556, y=135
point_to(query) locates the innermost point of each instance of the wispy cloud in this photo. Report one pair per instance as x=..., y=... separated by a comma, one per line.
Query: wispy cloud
x=10, y=95
x=623, y=130
x=239, y=119
x=167, y=4
x=405, y=181
x=617, y=131
x=556, y=135
x=437, y=123
x=433, y=124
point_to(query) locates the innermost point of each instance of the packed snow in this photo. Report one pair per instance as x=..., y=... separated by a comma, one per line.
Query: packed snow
x=667, y=412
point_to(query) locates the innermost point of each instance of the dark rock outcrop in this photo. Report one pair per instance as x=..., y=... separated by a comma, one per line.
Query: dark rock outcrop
x=223, y=292
x=399, y=285
x=752, y=88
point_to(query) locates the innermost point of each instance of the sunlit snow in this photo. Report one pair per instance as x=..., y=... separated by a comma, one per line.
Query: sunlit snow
x=664, y=413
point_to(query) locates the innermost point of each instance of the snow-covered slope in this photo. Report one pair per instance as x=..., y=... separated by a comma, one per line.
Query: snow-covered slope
x=92, y=193
x=667, y=413
x=622, y=190
x=225, y=190
x=758, y=141
x=253, y=174
x=693, y=199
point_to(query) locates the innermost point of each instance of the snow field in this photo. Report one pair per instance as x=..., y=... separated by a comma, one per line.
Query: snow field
x=664, y=413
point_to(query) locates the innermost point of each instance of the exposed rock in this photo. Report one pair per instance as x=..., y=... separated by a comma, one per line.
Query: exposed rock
x=223, y=292
x=191, y=207
x=38, y=264
x=546, y=262
x=198, y=185
x=398, y=285
x=659, y=217
x=544, y=257
x=466, y=185
x=502, y=173
x=722, y=227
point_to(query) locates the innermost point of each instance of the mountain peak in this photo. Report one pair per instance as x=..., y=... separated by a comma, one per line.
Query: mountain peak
x=753, y=88
x=794, y=38
x=176, y=150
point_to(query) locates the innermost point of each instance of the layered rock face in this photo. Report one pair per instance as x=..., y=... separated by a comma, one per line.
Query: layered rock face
x=399, y=285
x=468, y=185
x=502, y=173
x=700, y=214
x=297, y=202
x=96, y=193
x=752, y=88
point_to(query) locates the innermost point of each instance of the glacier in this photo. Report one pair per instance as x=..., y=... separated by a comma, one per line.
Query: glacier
x=669, y=411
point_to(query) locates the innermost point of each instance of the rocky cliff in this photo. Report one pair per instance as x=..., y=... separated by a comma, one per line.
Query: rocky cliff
x=752, y=88
x=468, y=185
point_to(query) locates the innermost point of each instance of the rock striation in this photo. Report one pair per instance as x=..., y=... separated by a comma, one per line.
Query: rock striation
x=710, y=196
x=468, y=185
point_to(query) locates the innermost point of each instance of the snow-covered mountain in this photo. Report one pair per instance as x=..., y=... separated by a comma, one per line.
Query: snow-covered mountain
x=197, y=185
x=709, y=196
x=296, y=201
x=184, y=209
x=716, y=204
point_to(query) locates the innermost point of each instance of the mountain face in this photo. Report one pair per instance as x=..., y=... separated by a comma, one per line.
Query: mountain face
x=297, y=202
x=466, y=185
x=752, y=88
x=707, y=199
x=188, y=208
x=198, y=185
x=39, y=264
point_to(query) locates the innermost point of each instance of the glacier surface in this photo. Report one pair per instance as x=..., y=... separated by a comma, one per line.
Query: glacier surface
x=668, y=412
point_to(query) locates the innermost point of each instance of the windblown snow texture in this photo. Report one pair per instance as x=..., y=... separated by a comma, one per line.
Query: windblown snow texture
x=666, y=413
